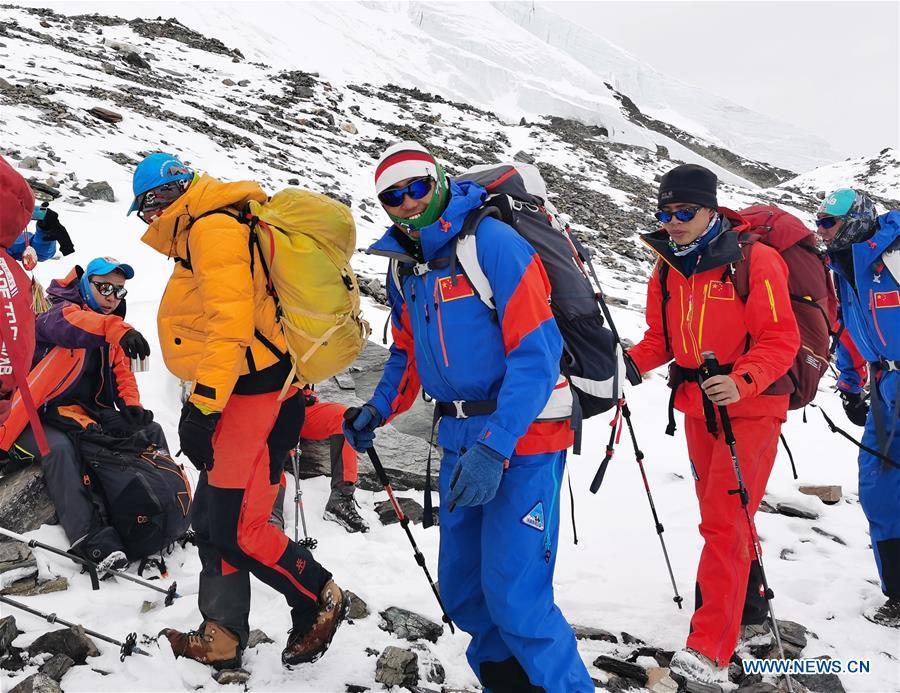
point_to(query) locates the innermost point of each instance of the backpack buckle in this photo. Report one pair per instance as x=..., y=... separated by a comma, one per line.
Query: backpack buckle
x=421, y=268
x=460, y=413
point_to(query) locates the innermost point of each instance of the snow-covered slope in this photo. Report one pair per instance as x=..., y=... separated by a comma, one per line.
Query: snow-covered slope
x=284, y=126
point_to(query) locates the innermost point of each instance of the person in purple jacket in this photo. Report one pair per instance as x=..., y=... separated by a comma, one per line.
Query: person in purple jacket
x=504, y=408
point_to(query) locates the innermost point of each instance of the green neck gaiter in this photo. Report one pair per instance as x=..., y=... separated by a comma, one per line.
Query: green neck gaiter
x=412, y=227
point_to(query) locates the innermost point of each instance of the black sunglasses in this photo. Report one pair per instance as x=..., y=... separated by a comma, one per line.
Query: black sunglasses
x=108, y=289
x=417, y=189
x=827, y=222
x=685, y=214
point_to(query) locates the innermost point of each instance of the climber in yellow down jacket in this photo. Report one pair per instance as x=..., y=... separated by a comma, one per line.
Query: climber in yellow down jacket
x=218, y=328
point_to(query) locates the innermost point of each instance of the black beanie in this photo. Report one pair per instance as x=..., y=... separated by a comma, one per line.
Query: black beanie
x=688, y=183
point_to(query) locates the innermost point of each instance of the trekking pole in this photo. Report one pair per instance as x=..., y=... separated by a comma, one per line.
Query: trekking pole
x=709, y=369
x=307, y=540
x=125, y=648
x=616, y=425
x=404, y=522
x=639, y=458
x=92, y=568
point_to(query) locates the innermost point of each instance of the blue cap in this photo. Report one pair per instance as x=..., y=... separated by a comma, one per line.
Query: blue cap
x=105, y=265
x=155, y=170
x=838, y=203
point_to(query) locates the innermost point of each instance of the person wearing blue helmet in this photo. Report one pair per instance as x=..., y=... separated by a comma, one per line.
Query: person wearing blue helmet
x=158, y=181
x=864, y=251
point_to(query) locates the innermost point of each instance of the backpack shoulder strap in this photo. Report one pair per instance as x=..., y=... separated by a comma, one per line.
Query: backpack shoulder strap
x=466, y=251
x=664, y=290
x=741, y=275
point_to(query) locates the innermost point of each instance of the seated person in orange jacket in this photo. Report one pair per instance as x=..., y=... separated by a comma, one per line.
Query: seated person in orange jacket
x=85, y=328
x=693, y=307
x=324, y=421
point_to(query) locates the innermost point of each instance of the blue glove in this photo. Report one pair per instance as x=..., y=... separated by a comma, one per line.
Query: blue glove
x=359, y=426
x=476, y=477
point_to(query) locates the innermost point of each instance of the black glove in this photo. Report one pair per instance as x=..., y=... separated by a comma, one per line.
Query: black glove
x=137, y=416
x=632, y=374
x=134, y=345
x=195, y=432
x=114, y=423
x=856, y=407
x=52, y=230
x=310, y=397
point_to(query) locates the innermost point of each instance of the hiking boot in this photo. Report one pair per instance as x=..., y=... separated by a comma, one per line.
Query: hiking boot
x=117, y=560
x=888, y=614
x=213, y=644
x=309, y=646
x=697, y=667
x=756, y=635
x=341, y=508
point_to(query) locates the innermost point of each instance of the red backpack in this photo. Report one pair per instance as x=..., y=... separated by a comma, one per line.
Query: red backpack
x=809, y=284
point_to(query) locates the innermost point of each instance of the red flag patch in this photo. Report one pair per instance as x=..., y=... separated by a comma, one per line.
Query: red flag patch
x=887, y=299
x=449, y=292
x=721, y=290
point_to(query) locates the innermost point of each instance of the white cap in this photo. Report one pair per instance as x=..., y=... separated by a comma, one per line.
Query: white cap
x=401, y=161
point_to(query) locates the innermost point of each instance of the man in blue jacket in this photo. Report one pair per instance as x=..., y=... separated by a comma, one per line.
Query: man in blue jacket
x=494, y=375
x=864, y=250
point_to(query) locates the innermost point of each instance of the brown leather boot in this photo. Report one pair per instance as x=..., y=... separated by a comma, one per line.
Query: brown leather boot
x=214, y=645
x=310, y=645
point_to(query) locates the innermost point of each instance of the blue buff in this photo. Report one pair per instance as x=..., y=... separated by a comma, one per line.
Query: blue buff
x=476, y=477
x=84, y=287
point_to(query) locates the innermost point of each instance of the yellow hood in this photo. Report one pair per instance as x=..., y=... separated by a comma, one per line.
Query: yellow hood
x=168, y=234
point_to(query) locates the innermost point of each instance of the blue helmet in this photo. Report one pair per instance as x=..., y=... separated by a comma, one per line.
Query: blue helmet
x=857, y=212
x=155, y=170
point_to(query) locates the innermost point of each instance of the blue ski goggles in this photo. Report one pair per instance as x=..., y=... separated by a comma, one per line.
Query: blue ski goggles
x=685, y=214
x=827, y=222
x=417, y=189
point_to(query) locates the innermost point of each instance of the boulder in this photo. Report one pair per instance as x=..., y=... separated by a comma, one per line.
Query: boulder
x=409, y=625
x=31, y=163
x=8, y=633
x=68, y=641
x=356, y=607
x=57, y=666
x=827, y=494
x=36, y=683
x=589, y=633
x=24, y=503
x=347, y=126
x=105, y=114
x=100, y=190
x=258, y=637
x=397, y=667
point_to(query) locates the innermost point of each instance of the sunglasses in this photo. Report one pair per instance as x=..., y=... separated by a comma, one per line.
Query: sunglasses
x=685, y=214
x=157, y=199
x=418, y=189
x=827, y=222
x=107, y=289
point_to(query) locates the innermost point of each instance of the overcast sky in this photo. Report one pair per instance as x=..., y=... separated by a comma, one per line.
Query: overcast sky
x=832, y=68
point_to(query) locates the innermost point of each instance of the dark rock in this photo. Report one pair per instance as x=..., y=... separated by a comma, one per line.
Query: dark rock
x=353, y=688
x=69, y=641
x=410, y=508
x=793, y=633
x=821, y=683
x=24, y=503
x=31, y=163
x=123, y=159
x=8, y=633
x=37, y=683
x=691, y=686
x=662, y=657
x=231, y=676
x=589, y=633
x=31, y=586
x=787, y=555
x=57, y=666
x=135, y=60
x=356, y=607
x=13, y=661
x=42, y=191
x=397, y=667
x=435, y=673
x=15, y=555
x=622, y=668
x=409, y=625
x=258, y=637
x=766, y=507
x=629, y=639
x=105, y=114
x=834, y=537
x=293, y=181
x=228, y=82
x=4, y=85
x=243, y=83
x=524, y=157
x=100, y=190
x=791, y=510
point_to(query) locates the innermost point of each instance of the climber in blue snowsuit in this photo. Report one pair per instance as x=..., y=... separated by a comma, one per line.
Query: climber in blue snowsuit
x=47, y=236
x=495, y=378
x=864, y=252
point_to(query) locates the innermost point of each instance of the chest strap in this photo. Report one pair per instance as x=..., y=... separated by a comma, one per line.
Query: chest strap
x=677, y=376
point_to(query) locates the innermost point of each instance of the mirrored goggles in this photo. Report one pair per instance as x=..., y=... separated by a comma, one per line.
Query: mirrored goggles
x=827, y=222
x=685, y=214
x=417, y=189
x=107, y=289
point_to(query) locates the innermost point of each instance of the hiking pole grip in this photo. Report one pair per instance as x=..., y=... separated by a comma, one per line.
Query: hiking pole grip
x=711, y=368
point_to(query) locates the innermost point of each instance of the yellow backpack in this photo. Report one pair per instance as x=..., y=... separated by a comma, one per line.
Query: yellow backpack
x=306, y=241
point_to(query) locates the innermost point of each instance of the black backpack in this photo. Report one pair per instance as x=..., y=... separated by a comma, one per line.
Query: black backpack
x=146, y=494
x=592, y=357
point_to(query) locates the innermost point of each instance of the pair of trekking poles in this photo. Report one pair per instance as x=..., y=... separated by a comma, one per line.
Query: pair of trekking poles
x=710, y=368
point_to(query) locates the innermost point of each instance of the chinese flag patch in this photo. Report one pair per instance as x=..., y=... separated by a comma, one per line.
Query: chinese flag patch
x=449, y=292
x=721, y=290
x=887, y=299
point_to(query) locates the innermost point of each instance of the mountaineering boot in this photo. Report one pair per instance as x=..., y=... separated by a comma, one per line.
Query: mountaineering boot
x=117, y=560
x=888, y=614
x=507, y=676
x=213, y=644
x=341, y=508
x=697, y=667
x=309, y=645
